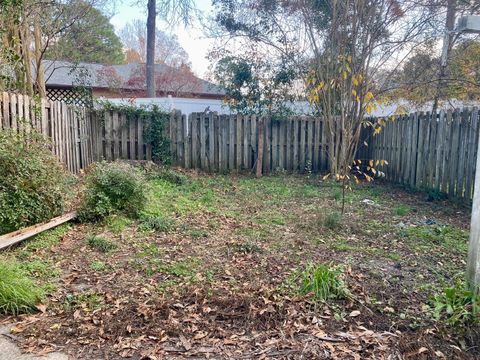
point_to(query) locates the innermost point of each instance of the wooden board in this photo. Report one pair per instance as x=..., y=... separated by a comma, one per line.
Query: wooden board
x=15, y=237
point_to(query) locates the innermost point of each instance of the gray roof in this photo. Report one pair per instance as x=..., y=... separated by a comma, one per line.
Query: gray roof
x=128, y=76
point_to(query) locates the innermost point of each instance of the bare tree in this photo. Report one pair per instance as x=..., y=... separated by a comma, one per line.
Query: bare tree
x=172, y=11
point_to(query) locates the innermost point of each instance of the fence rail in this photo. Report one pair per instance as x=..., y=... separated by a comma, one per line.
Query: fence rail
x=431, y=152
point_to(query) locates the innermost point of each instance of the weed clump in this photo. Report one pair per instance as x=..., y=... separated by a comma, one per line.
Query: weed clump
x=401, y=210
x=457, y=305
x=100, y=243
x=332, y=220
x=112, y=188
x=171, y=176
x=33, y=184
x=323, y=282
x=156, y=223
x=18, y=293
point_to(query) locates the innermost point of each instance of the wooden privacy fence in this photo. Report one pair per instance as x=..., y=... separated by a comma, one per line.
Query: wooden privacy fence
x=423, y=151
x=212, y=142
x=68, y=128
x=78, y=136
x=431, y=152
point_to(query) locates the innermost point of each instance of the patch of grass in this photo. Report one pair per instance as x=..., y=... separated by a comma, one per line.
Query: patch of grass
x=43, y=270
x=97, y=265
x=446, y=236
x=270, y=218
x=323, y=282
x=100, y=243
x=195, y=233
x=117, y=223
x=18, y=293
x=254, y=233
x=45, y=240
x=343, y=246
x=167, y=199
x=332, y=220
x=401, y=210
x=156, y=223
x=88, y=301
x=183, y=269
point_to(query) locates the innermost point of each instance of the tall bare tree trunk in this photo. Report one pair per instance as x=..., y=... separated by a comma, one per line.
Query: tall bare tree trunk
x=27, y=56
x=447, y=44
x=150, y=70
x=40, y=77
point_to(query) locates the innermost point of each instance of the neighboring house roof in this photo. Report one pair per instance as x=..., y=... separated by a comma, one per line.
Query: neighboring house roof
x=127, y=77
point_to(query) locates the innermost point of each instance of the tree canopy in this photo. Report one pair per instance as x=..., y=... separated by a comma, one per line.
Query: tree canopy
x=90, y=39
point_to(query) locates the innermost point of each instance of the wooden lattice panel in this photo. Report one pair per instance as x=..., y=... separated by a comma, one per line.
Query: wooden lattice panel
x=71, y=96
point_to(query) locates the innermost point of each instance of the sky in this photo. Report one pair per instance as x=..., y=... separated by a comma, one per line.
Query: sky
x=191, y=38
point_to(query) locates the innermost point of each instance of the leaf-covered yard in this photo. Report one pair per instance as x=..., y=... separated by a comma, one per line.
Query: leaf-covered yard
x=217, y=267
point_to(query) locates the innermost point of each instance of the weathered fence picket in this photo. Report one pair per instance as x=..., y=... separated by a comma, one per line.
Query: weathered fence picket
x=430, y=152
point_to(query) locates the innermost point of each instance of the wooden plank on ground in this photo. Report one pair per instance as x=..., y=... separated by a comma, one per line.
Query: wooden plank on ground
x=15, y=237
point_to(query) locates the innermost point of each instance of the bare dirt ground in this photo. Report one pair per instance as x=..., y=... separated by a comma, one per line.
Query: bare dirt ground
x=220, y=275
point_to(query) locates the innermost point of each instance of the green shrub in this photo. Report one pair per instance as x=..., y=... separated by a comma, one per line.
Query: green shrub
x=332, y=220
x=324, y=282
x=18, y=293
x=156, y=223
x=457, y=305
x=33, y=184
x=100, y=243
x=111, y=188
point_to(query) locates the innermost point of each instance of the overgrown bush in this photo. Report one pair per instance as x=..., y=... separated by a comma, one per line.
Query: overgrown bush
x=112, y=188
x=18, y=293
x=33, y=184
x=324, y=282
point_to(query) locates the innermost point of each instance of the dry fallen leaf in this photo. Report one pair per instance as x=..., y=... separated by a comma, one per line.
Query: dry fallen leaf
x=354, y=313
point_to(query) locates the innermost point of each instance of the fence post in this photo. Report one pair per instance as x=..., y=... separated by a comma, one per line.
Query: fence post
x=473, y=264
